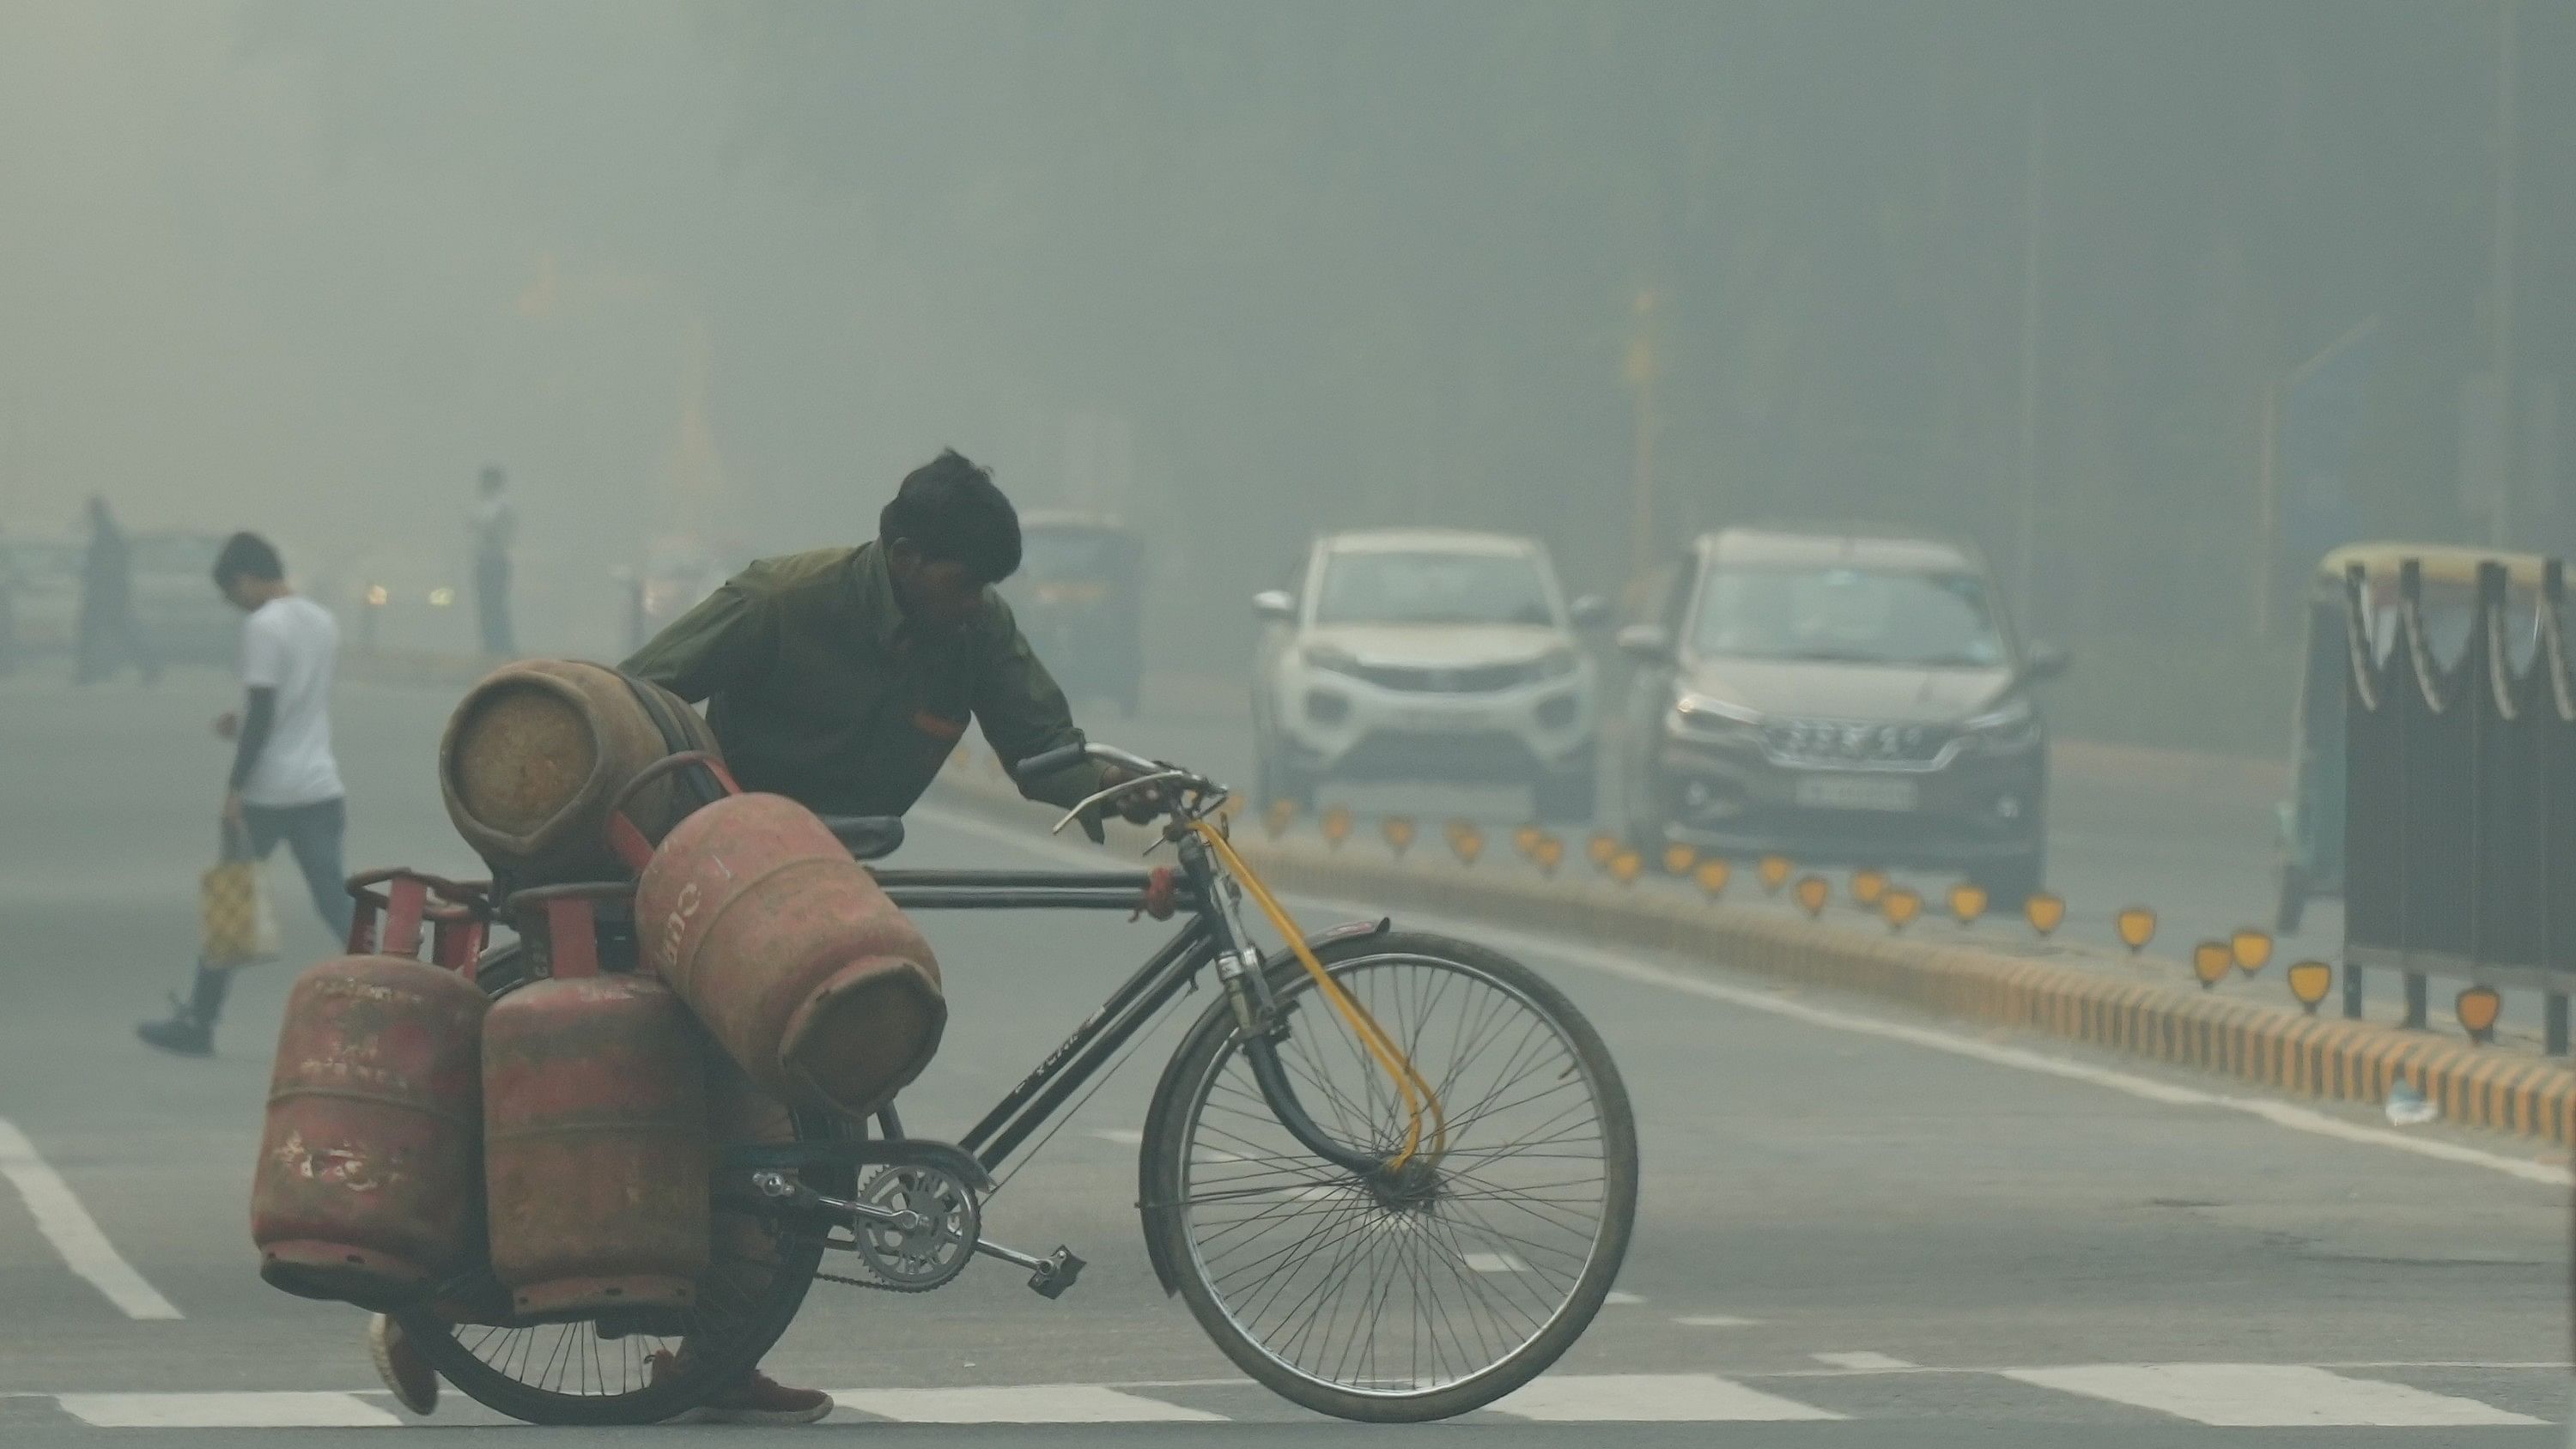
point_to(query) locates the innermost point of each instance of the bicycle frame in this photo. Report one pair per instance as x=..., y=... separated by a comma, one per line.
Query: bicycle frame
x=1207, y=937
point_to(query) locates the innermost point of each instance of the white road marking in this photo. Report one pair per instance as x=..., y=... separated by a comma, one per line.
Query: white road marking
x=1123, y=1136
x=1621, y=1298
x=2279, y=1113
x=1865, y=1361
x=73, y=1232
x=226, y=1411
x=1018, y=1404
x=1717, y=1320
x=1650, y=1398
x=2255, y=1395
x=1495, y=1263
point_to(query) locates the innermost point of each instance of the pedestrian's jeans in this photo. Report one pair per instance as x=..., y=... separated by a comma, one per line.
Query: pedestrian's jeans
x=312, y=835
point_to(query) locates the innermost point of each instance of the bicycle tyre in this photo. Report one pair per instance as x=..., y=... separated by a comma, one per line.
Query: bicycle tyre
x=1180, y=1141
x=722, y=1348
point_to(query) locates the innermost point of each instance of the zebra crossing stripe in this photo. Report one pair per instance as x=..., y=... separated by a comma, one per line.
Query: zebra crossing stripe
x=1650, y=1398
x=277, y=1410
x=1017, y=1404
x=2257, y=1395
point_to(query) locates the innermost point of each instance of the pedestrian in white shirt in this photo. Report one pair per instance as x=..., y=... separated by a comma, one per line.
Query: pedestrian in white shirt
x=285, y=783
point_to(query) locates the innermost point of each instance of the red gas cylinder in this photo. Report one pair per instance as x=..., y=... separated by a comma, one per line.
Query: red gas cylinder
x=368, y=1188
x=594, y=1128
x=786, y=948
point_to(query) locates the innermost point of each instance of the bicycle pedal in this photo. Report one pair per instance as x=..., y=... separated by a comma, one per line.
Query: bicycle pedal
x=1056, y=1274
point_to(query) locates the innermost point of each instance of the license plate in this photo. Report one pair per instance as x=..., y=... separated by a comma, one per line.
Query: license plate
x=1855, y=792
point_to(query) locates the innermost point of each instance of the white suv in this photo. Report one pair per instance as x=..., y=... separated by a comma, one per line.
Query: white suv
x=1427, y=655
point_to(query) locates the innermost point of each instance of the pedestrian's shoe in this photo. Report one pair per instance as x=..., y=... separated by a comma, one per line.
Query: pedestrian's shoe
x=755, y=1399
x=413, y=1382
x=182, y=1034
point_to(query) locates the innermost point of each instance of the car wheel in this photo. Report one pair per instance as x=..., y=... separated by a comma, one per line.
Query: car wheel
x=2010, y=882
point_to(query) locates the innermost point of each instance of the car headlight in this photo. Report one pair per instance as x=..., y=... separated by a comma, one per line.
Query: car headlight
x=1698, y=716
x=1330, y=659
x=1556, y=664
x=2011, y=726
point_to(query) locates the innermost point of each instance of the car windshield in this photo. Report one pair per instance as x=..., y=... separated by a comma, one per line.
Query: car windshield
x=1846, y=615
x=1068, y=553
x=1434, y=588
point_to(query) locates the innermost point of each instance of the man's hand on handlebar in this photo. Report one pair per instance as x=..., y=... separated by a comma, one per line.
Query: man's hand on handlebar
x=1137, y=808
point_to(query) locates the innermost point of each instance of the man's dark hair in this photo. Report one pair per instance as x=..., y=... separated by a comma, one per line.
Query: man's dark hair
x=949, y=509
x=247, y=555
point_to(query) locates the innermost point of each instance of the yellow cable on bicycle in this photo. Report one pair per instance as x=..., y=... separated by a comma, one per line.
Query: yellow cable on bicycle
x=1408, y=1082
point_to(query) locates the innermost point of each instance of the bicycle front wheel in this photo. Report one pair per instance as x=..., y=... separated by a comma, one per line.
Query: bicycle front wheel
x=1454, y=1282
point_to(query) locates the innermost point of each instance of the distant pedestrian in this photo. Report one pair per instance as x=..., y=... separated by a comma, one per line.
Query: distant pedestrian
x=495, y=528
x=285, y=782
x=109, y=637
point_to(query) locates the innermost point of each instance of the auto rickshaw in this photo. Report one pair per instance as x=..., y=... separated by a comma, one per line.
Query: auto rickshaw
x=2311, y=821
x=1079, y=596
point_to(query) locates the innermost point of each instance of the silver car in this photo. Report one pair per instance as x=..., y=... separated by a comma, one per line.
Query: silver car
x=1427, y=655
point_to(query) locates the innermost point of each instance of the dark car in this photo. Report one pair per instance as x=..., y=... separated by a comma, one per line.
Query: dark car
x=1839, y=699
x=1079, y=597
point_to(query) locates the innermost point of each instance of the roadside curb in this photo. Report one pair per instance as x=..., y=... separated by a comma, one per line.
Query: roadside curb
x=2327, y=1057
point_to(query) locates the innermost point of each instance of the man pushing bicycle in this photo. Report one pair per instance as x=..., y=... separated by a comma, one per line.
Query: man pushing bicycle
x=843, y=678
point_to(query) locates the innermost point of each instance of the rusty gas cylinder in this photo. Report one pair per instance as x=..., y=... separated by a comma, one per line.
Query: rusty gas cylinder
x=789, y=952
x=368, y=1188
x=538, y=750
x=595, y=1128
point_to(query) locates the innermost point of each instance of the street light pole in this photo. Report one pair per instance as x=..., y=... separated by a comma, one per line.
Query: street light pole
x=1641, y=370
x=2026, y=519
x=2500, y=514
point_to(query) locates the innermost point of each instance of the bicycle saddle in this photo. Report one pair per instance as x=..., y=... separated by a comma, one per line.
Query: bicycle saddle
x=869, y=837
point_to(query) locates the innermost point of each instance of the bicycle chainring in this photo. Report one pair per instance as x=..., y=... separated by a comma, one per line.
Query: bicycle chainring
x=918, y=1259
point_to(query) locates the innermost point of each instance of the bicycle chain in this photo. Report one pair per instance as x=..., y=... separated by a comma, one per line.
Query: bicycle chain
x=873, y=1283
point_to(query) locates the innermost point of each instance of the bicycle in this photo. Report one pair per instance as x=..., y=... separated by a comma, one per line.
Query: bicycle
x=1437, y=1234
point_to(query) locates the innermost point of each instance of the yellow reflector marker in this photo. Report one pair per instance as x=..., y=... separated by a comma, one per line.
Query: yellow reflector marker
x=1868, y=885
x=1603, y=848
x=1398, y=832
x=2137, y=927
x=1813, y=893
x=1527, y=839
x=1967, y=901
x=1678, y=859
x=2045, y=913
x=2211, y=961
x=1712, y=875
x=2252, y=950
x=1466, y=841
x=1278, y=816
x=1337, y=825
x=1548, y=853
x=1626, y=866
x=2309, y=982
x=1775, y=872
x=2479, y=1006
x=1900, y=906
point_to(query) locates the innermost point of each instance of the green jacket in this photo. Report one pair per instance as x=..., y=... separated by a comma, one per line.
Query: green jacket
x=820, y=690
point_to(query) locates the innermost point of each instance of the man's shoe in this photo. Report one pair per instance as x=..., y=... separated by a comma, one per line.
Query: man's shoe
x=756, y=1399
x=413, y=1382
x=182, y=1034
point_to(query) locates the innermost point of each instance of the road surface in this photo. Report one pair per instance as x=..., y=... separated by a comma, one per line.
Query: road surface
x=1857, y=1229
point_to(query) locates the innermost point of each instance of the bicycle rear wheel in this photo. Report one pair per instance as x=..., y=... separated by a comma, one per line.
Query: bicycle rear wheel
x=602, y=1370
x=1440, y=1292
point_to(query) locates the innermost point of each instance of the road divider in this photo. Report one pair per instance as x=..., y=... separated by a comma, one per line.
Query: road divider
x=2286, y=1050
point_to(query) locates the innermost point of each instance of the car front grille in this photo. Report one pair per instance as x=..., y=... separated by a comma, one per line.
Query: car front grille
x=1855, y=744
x=1474, y=679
